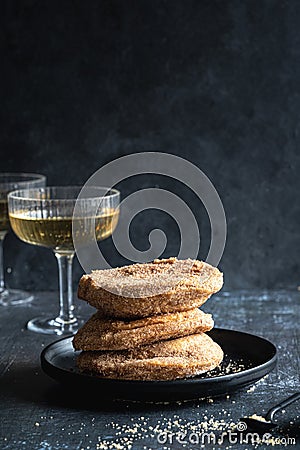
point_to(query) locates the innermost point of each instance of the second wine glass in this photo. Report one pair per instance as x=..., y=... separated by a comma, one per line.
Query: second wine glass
x=10, y=182
x=44, y=217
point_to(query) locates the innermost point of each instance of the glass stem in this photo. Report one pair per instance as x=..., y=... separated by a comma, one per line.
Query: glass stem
x=66, y=312
x=2, y=282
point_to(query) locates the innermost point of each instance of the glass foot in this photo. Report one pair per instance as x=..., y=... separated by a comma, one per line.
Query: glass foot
x=45, y=325
x=12, y=297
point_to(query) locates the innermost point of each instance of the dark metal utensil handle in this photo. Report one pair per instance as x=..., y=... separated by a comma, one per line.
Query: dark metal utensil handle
x=270, y=414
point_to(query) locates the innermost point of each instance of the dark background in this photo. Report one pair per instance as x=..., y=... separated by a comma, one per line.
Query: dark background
x=216, y=82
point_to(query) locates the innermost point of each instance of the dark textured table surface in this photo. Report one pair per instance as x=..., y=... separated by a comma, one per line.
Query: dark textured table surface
x=37, y=413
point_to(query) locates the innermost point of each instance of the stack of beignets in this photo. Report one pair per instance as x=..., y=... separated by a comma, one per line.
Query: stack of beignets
x=148, y=325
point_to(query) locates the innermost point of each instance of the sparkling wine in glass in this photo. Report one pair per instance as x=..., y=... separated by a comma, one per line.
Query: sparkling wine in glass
x=10, y=182
x=44, y=217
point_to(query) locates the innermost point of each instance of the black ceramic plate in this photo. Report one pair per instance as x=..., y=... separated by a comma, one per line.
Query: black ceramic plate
x=247, y=359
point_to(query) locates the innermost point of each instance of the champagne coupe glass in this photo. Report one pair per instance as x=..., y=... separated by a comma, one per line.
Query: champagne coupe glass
x=44, y=217
x=10, y=182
